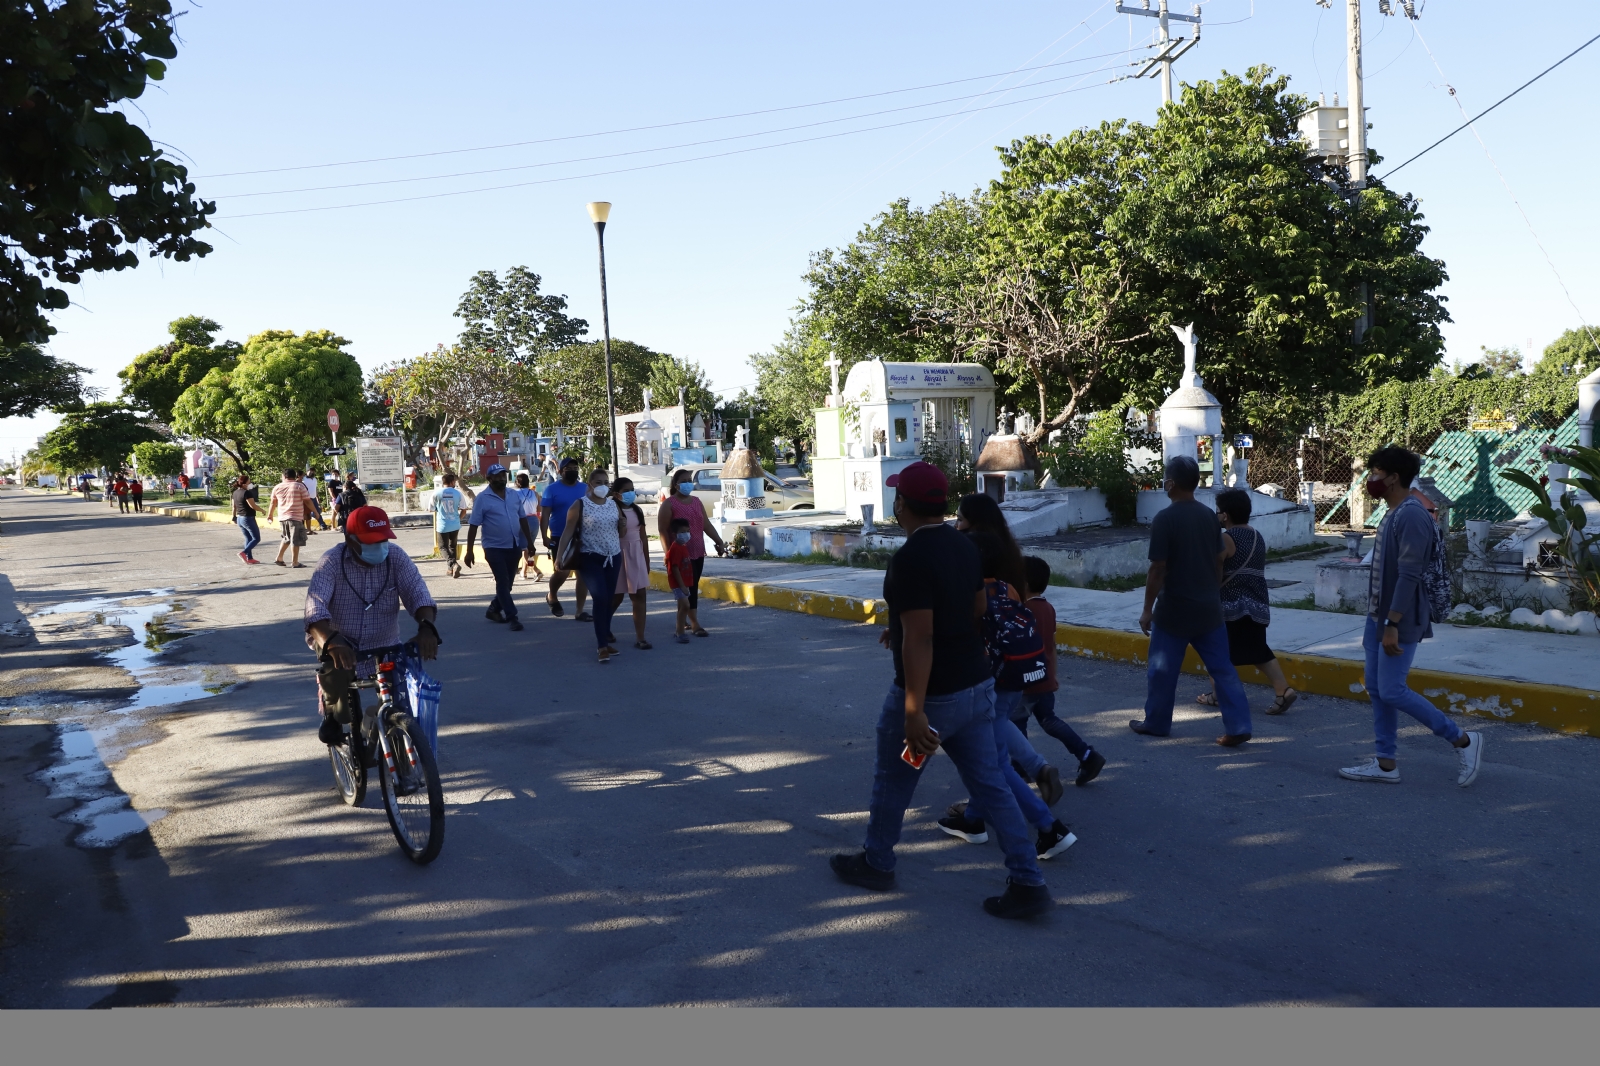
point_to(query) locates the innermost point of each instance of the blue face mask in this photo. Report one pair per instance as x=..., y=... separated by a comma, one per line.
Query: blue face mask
x=683, y=538
x=627, y=497
x=373, y=554
x=685, y=487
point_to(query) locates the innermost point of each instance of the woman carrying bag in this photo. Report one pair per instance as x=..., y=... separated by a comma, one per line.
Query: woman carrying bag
x=592, y=542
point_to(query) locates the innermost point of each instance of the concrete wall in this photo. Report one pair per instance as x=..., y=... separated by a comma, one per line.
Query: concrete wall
x=1043, y=512
x=1122, y=559
x=1283, y=523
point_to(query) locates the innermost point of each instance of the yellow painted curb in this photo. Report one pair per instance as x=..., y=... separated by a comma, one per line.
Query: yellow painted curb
x=1566, y=710
x=193, y=514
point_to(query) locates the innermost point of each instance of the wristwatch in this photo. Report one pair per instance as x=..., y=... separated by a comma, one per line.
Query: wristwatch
x=1390, y=622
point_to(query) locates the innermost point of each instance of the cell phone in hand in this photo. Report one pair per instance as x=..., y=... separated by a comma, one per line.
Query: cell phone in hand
x=913, y=760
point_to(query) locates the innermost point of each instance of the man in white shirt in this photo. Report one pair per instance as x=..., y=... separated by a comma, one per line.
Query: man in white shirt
x=310, y=482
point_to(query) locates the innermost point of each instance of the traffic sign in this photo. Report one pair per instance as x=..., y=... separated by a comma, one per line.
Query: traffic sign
x=334, y=451
x=333, y=420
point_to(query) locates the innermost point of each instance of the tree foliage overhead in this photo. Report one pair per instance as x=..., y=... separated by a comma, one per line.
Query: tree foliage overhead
x=269, y=411
x=463, y=392
x=669, y=375
x=31, y=380
x=99, y=435
x=80, y=185
x=158, y=458
x=156, y=379
x=576, y=377
x=513, y=318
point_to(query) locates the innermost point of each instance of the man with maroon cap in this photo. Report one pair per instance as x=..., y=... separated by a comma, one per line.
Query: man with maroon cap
x=353, y=606
x=942, y=696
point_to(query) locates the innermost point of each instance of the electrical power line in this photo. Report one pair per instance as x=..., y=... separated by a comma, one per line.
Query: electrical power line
x=659, y=125
x=664, y=163
x=1491, y=107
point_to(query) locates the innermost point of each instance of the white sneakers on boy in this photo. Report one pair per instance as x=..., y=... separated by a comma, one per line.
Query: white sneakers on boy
x=1371, y=771
x=1471, y=759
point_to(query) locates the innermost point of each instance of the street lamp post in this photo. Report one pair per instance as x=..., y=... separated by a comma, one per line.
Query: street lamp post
x=600, y=211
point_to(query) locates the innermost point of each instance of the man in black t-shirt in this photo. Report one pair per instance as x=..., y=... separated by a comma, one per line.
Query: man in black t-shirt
x=942, y=697
x=1183, y=607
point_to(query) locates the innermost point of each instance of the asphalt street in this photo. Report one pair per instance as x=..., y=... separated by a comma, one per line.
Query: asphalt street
x=656, y=831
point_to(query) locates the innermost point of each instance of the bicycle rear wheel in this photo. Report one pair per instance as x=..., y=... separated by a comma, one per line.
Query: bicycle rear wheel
x=348, y=772
x=412, y=795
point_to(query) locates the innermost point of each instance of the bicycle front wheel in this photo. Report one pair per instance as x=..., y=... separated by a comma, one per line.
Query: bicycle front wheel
x=348, y=772
x=412, y=795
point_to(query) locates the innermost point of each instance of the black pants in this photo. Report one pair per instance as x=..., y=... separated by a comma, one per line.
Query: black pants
x=447, y=544
x=1042, y=705
x=503, y=563
x=694, y=587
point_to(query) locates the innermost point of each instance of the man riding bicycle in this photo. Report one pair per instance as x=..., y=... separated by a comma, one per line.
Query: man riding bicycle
x=353, y=610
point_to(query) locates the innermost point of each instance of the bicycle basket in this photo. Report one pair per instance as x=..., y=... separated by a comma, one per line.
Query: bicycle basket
x=424, y=692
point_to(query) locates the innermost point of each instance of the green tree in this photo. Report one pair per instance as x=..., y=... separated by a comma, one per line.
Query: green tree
x=512, y=318
x=157, y=378
x=1502, y=362
x=31, y=380
x=668, y=374
x=159, y=458
x=576, y=378
x=269, y=411
x=98, y=435
x=792, y=381
x=464, y=392
x=82, y=186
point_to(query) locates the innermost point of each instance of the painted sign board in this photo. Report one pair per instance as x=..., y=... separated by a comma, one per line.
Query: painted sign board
x=380, y=460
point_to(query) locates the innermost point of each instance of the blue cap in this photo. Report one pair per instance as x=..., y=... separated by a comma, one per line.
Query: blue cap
x=495, y=468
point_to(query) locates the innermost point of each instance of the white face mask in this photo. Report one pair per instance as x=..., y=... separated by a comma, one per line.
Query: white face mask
x=602, y=490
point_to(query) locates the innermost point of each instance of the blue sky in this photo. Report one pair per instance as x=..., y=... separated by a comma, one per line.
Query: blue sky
x=705, y=257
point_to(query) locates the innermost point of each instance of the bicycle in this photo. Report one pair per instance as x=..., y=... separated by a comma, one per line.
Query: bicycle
x=391, y=741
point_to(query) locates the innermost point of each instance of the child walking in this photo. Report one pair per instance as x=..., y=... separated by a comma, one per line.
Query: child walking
x=680, y=576
x=1039, y=700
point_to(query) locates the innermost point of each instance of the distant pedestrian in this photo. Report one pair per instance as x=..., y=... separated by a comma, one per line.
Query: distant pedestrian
x=246, y=502
x=593, y=536
x=681, y=502
x=183, y=483
x=136, y=494
x=634, y=579
x=122, y=494
x=314, y=505
x=498, y=512
x=558, y=500
x=290, y=505
x=1246, y=609
x=942, y=697
x=1399, y=619
x=1039, y=699
x=530, y=511
x=349, y=499
x=205, y=480
x=447, y=523
x=1183, y=608
x=680, y=575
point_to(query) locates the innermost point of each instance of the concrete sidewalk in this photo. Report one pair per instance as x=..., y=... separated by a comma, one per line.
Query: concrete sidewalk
x=1537, y=678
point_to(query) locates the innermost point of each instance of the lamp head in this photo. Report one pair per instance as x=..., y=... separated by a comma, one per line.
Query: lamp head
x=600, y=210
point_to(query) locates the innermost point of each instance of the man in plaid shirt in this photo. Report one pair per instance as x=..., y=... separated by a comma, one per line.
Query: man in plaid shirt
x=353, y=608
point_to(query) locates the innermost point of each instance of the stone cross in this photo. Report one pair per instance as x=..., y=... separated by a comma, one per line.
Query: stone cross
x=680, y=395
x=833, y=364
x=647, y=403
x=1191, y=377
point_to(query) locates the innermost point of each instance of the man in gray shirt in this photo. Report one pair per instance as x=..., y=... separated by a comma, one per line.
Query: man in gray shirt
x=1183, y=608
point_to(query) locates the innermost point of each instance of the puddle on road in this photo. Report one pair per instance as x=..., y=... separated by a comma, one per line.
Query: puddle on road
x=94, y=733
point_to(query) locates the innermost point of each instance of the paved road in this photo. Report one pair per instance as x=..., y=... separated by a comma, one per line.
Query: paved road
x=655, y=831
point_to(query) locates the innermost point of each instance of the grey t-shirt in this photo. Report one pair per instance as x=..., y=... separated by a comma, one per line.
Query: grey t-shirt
x=1187, y=536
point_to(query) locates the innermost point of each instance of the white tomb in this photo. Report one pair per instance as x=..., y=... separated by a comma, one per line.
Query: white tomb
x=1191, y=413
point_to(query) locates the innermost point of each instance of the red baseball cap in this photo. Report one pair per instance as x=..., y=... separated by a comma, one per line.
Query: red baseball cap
x=921, y=482
x=369, y=525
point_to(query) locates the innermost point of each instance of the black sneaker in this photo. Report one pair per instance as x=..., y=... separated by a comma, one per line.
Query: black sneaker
x=969, y=829
x=1058, y=838
x=1019, y=901
x=1049, y=782
x=1090, y=767
x=330, y=731
x=516, y=626
x=856, y=870
x=494, y=616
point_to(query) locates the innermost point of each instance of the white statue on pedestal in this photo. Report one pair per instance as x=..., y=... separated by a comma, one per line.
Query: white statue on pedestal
x=739, y=437
x=833, y=364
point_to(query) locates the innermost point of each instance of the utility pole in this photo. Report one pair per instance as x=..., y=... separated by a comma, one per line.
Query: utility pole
x=1168, y=48
x=1358, y=114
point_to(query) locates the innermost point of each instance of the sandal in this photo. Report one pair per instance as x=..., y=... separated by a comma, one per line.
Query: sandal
x=1206, y=699
x=555, y=606
x=1282, y=704
x=701, y=633
x=584, y=616
x=642, y=645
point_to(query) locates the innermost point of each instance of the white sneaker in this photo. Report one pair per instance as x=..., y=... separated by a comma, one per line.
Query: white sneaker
x=1471, y=759
x=1371, y=771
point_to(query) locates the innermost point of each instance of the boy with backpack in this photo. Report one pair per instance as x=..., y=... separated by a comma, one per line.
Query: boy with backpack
x=1016, y=658
x=1409, y=590
x=1039, y=698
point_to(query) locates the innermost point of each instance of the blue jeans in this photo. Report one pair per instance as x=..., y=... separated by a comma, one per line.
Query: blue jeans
x=1166, y=661
x=1042, y=705
x=965, y=721
x=503, y=563
x=1386, y=687
x=600, y=576
x=1010, y=745
x=252, y=532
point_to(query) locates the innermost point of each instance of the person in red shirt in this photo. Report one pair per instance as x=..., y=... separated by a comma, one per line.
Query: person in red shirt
x=136, y=491
x=1039, y=700
x=680, y=575
x=121, y=490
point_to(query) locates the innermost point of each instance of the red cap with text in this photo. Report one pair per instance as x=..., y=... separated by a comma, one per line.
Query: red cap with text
x=369, y=525
x=921, y=482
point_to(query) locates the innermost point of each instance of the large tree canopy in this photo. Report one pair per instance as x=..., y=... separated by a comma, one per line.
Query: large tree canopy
x=513, y=318
x=157, y=378
x=80, y=185
x=99, y=435
x=31, y=380
x=462, y=392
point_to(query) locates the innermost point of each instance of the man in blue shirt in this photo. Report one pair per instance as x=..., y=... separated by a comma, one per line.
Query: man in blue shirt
x=447, y=522
x=558, y=499
x=498, y=512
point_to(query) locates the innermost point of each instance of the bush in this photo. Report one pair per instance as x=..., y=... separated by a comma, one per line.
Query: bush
x=159, y=458
x=1095, y=455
